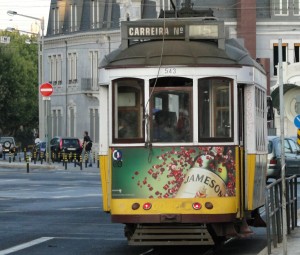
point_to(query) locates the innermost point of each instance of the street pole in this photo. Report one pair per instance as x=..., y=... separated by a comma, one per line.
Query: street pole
x=284, y=221
x=43, y=111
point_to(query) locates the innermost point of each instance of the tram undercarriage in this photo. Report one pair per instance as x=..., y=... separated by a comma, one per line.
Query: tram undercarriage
x=185, y=234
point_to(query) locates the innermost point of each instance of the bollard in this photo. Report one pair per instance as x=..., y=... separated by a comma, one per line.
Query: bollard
x=34, y=157
x=63, y=157
x=14, y=155
x=9, y=157
x=27, y=164
x=66, y=161
x=25, y=154
x=53, y=157
x=94, y=157
x=80, y=163
x=42, y=157
x=86, y=159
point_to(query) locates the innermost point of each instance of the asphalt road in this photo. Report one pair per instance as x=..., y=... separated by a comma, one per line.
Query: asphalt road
x=56, y=211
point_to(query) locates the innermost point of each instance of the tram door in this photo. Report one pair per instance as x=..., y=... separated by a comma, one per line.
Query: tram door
x=241, y=121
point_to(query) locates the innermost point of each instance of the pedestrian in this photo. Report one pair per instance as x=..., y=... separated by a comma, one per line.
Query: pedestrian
x=87, y=146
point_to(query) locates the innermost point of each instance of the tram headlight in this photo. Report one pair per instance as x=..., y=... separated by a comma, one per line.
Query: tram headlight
x=147, y=206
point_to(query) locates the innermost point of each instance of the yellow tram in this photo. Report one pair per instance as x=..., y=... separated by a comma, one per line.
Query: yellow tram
x=183, y=135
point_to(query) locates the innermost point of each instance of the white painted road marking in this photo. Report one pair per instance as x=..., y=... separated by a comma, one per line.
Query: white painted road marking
x=25, y=245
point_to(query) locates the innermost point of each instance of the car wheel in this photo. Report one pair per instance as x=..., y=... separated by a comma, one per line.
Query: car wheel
x=7, y=144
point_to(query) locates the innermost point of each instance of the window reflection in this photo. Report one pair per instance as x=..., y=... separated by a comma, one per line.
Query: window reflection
x=128, y=110
x=215, y=108
x=171, y=116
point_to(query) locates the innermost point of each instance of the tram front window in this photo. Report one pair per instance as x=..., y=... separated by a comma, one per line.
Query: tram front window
x=171, y=114
x=215, y=109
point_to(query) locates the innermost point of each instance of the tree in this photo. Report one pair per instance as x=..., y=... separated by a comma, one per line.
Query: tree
x=18, y=85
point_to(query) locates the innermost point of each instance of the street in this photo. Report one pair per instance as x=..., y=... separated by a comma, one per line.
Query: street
x=50, y=211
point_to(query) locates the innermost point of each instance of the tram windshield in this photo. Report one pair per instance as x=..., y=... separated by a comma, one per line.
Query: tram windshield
x=171, y=109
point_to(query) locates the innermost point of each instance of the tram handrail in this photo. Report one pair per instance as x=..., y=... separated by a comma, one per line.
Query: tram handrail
x=273, y=208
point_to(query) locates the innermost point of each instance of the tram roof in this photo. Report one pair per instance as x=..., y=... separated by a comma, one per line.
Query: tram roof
x=180, y=52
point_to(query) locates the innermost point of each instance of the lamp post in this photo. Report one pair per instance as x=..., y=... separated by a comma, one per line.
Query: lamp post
x=43, y=125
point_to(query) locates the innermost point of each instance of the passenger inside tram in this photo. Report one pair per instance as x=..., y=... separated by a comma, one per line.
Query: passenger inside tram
x=164, y=126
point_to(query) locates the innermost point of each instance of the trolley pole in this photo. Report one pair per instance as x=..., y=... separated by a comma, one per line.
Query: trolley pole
x=284, y=221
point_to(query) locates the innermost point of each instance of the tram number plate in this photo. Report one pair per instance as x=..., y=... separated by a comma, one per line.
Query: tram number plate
x=170, y=71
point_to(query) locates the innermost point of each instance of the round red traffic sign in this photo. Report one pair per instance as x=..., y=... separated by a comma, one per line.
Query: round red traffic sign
x=46, y=89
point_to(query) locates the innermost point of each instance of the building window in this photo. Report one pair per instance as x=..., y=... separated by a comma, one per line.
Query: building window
x=276, y=58
x=95, y=9
x=94, y=68
x=215, y=109
x=94, y=124
x=72, y=68
x=56, y=122
x=128, y=110
x=280, y=7
x=297, y=52
x=296, y=7
x=73, y=18
x=55, y=17
x=55, y=72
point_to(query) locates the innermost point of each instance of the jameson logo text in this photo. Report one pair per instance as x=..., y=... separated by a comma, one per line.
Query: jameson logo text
x=200, y=182
x=156, y=31
x=207, y=180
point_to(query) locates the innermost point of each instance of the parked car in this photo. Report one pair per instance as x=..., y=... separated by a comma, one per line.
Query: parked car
x=8, y=145
x=292, y=157
x=60, y=145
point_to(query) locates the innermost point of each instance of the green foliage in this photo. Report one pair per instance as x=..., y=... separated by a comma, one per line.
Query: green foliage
x=18, y=84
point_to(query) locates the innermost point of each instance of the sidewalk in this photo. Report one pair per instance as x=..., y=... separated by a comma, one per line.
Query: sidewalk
x=293, y=242
x=44, y=165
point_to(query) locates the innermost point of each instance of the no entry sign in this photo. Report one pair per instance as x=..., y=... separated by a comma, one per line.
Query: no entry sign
x=46, y=89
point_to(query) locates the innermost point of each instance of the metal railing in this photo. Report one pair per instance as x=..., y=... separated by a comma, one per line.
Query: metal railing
x=274, y=210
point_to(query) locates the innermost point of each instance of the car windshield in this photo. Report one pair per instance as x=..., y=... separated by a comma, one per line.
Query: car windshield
x=70, y=142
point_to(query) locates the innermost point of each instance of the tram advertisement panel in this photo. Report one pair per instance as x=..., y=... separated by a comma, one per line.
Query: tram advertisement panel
x=173, y=172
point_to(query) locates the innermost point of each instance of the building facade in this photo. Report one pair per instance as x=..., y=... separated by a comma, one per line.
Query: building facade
x=82, y=32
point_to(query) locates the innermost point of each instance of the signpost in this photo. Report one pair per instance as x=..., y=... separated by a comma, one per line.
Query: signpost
x=297, y=121
x=297, y=124
x=46, y=90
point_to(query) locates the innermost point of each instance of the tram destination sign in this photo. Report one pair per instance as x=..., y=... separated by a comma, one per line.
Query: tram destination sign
x=173, y=31
x=156, y=31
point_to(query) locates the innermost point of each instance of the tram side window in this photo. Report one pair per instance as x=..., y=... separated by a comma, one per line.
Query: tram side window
x=128, y=111
x=215, y=109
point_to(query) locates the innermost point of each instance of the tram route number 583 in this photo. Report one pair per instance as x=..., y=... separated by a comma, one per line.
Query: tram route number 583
x=170, y=70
